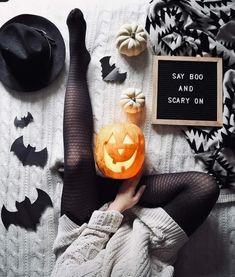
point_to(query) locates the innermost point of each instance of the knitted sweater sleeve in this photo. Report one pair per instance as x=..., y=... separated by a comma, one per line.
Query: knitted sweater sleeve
x=164, y=231
x=75, y=244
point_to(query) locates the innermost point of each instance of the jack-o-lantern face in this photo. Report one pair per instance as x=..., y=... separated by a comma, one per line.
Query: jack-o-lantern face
x=119, y=150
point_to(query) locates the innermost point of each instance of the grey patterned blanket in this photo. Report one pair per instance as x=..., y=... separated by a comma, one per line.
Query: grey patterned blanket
x=202, y=28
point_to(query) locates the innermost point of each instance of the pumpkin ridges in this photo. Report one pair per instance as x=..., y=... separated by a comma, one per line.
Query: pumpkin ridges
x=131, y=43
x=131, y=39
x=132, y=100
x=120, y=39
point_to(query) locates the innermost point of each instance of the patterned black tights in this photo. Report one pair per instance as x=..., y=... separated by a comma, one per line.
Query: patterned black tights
x=79, y=166
x=187, y=197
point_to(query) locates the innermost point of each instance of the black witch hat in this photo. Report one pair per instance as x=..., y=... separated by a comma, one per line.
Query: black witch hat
x=32, y=53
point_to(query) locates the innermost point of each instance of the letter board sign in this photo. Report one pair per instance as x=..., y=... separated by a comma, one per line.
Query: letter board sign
x=187, y=91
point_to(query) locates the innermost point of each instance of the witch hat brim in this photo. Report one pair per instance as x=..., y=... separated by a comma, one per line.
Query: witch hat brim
x=57, y=58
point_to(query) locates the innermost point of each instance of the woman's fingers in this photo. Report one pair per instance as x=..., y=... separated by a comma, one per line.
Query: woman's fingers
x=139, y=193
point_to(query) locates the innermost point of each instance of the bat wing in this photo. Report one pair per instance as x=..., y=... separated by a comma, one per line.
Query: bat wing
x=20, y=150
x=28, y=119
x=24, y=121
x=106, y=68
x=27, y=155
x=115, y=76
x=18, y=218
x=37, y=158
x=40, y=205
x=27, y=215
x=17, y=122
x=7, y=217
x=111, y=73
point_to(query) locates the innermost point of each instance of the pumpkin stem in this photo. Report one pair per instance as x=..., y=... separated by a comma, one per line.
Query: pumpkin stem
x=133, y=35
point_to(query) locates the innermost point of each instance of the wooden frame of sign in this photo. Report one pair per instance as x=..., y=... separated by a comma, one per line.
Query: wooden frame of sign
x=187, y=91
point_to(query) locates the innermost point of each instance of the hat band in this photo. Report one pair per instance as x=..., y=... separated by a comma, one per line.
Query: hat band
x=51, y=42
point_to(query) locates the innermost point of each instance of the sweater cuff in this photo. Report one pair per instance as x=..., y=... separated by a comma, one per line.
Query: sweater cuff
x=66, y=225
x=68, y=231
x=162, y=225
x=108, y=221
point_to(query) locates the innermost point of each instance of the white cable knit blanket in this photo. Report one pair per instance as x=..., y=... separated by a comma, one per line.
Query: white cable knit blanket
x=29, y=253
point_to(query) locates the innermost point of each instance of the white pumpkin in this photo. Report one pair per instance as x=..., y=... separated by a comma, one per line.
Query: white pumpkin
x=131, y=39
x=132, y=100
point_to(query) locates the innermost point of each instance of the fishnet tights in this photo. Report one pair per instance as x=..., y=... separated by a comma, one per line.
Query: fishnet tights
x=79, y=174
x=187, y=197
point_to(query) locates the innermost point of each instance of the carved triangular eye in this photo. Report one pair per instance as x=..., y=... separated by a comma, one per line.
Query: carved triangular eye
x=127, y=140
x=112, y=139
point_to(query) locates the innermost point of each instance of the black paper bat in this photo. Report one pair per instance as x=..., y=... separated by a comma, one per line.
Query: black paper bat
x=24, y=121
x=110, y=73
x=27, y=215
x=28, y=155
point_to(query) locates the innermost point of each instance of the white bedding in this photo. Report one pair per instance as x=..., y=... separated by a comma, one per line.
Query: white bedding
x=24, y=253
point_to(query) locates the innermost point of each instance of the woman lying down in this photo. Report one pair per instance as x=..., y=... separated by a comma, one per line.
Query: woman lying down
x=102, y=232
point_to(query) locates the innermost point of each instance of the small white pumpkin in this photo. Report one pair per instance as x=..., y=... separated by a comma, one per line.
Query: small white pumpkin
x=132, y=100
x=131, y=39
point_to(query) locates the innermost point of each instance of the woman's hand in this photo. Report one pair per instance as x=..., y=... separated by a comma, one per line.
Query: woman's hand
x=126, y=197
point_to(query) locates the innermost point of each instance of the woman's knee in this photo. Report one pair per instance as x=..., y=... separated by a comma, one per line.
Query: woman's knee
x=195, y=203
x=211, y=186
x=205, y=186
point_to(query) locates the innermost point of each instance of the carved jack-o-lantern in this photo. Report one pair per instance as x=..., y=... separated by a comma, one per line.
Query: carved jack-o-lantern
x=119, y=150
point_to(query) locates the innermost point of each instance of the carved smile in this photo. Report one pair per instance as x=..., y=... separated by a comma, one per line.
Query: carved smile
x=118, y=167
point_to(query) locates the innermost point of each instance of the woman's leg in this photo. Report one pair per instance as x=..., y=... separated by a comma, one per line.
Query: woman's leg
x=80, y=195
x=187, y=197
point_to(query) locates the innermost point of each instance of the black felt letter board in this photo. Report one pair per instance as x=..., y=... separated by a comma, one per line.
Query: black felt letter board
x=187, y=91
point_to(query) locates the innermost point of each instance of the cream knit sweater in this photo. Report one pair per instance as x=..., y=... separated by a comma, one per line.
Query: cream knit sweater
x=140, y=242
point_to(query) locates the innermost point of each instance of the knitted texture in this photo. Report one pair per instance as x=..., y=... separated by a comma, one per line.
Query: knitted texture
x=27, y=253
x=91, y=252
x=180, y=194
